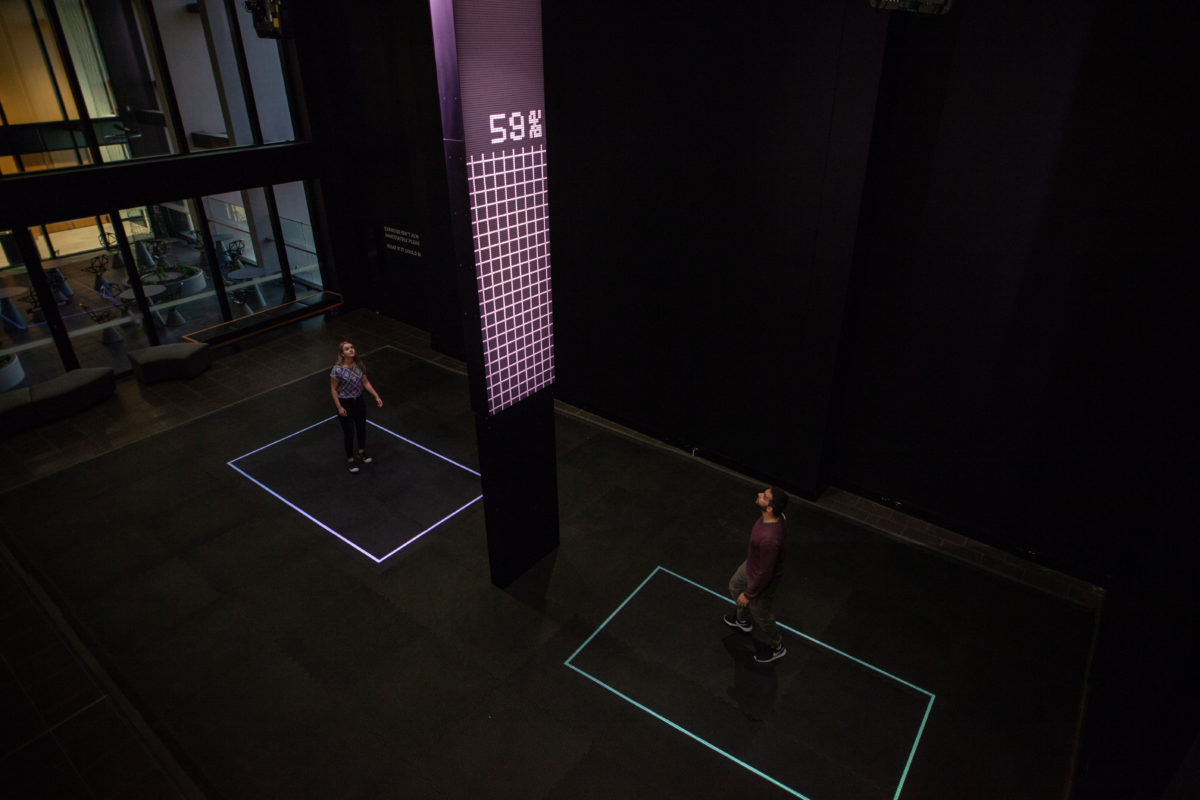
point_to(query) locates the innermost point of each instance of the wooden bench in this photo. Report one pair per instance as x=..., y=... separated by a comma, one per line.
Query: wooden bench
x=265, y=320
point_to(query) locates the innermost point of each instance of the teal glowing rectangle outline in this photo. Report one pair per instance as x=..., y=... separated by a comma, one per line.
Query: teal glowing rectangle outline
x=911, y=754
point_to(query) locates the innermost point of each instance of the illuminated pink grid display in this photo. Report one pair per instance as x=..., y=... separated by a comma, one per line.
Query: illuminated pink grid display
x=512, y=271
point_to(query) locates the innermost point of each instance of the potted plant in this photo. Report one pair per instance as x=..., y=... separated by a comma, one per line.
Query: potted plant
x=11, y=371
x=190, y=280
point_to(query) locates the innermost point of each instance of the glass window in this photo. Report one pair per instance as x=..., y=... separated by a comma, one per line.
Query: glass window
x=258, y=273
x=264, y=64
x=202, y=53
x=33, y=87
x=83, y=44
x=203, y=108
x=27, y=351
x=296, y=224
x=89, y=283
x=68, y=237
x=241, y=231
x=173, y=270
x=94, y=284
x=126, y=63
x=36, y=103
x=264, y=251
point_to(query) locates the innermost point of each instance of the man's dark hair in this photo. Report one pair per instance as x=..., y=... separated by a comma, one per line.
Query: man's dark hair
x=779, y=500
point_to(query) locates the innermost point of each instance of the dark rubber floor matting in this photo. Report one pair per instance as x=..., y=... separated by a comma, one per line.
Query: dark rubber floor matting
x=276, y=660
x=817, y=723
x=406, y=491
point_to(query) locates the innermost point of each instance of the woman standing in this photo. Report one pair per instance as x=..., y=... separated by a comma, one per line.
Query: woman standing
x=346, y=383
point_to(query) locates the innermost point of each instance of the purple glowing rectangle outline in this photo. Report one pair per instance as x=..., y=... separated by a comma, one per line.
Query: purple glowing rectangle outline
x=510, y=229
x=322, y=525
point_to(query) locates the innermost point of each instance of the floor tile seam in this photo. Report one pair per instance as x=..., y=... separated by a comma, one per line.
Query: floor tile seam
x=995, y=561
x=952, y=543
x=101, y=698
x=46, y=621
x=447, y=363
x=171, y=392
x=43, y=727
x=456, y=366
x=155, y=749
x=75, y=768
x=178, y=421
x=587, y=416
x=83, y=438
x=1008, y=567
x=241, y=398
x=15, y=753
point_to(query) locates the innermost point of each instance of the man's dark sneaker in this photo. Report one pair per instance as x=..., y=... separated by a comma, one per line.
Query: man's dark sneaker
x=364, y=458
x=733, y=622
x=767, y=655
x=350, y=465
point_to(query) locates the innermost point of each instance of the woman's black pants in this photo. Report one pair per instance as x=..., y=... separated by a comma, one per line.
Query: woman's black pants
x=355, y=421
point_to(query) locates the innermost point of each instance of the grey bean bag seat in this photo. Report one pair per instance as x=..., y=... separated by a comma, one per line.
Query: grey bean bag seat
x=167, y=361
x=56, y=398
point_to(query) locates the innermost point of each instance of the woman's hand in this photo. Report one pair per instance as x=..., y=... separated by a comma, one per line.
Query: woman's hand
x=341, y=411
x=378, y=401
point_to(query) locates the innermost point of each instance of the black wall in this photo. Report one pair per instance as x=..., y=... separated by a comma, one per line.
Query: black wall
x=366, y=69
x=1023, y=302
x=937, y=227
x=971, y=245
x=946, y=261
x=706, y=163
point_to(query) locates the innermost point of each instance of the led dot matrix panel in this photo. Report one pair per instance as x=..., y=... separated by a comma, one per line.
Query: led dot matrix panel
x=499, y=54
x=512, y=265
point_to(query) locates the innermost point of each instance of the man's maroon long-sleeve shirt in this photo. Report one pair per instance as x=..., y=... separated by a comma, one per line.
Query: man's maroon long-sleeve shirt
x=764, y=559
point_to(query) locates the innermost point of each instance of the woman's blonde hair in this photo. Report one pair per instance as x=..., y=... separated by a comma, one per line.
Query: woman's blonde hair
x=358, y=362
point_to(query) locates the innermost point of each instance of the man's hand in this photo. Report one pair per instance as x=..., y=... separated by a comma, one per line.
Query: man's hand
x=742, y=600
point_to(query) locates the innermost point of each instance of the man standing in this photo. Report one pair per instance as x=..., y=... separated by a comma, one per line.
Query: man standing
x=755, y=582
